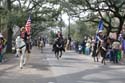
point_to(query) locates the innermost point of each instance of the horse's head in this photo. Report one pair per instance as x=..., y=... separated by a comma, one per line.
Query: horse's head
x=18, y=37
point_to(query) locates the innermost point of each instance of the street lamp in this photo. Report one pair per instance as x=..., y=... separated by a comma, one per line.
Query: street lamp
x=69, y=26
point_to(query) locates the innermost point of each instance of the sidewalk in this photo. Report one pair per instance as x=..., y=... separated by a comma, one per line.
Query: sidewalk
x=7, y=57
x=71, y=68
x=37, y=70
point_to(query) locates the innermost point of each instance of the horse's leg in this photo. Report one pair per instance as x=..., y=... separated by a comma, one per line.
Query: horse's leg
x=17, y=52
x=21, y=61
x=60, y=53
x=94, y=55
x=97, y=54
x=41, y=49
x=57, y=54
x=25, y=55
x=97, y=59
x=103, y=61
x=103, y=55
x=94, y=59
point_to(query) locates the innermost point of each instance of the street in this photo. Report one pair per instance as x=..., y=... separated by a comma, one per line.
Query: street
x=71, y=68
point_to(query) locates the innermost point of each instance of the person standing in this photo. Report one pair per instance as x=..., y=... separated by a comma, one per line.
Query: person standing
x=122, y=40
x=1, y=47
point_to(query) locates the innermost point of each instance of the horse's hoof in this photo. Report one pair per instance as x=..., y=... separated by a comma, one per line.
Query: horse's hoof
x=97, y=60
x=57, y=57
x=21, y=67
x=24, y=63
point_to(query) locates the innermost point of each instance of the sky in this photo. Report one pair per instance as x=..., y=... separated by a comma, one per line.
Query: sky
x=65, y=18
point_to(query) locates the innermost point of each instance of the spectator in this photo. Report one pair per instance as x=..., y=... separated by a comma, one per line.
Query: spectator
x=115, y=47
x=87, y=49
x=1, y=47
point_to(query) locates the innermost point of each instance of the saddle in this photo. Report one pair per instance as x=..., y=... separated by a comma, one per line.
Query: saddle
x=20, y=49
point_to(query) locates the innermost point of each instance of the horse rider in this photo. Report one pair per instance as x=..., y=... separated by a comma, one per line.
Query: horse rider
x=59, y=38
x=68, y=43
x=41, y=44
x=100, y=45
x=26, y=38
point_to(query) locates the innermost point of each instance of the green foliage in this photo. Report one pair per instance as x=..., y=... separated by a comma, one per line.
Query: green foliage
x=95, y=9
x=52, y=36
x=44, y=16
x=81, y=29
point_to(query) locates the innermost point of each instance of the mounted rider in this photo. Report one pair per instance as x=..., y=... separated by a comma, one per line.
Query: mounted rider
x=26, y=38
x=58, y=40
x=100, y=45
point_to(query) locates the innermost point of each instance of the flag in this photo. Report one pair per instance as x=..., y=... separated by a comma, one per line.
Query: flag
x=28, y=26
x=100, y=28
x=100, y=25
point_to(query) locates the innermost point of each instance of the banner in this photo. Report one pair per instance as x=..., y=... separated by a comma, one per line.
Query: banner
x=28, y=26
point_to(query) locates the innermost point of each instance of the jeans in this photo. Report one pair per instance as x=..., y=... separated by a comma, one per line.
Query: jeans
x=1, y=57
x=114, y=57
x=87, y=51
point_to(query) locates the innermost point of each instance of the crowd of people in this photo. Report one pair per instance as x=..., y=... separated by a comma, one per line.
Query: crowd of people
x=110, y=47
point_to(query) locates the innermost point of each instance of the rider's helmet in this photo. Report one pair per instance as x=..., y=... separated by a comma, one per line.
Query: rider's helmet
x=22, y=29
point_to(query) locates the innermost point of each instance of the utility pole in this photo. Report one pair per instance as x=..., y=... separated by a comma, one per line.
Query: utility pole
x=69, y=26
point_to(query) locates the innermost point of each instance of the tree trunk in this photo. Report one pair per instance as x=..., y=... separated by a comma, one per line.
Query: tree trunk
x=9, y=40
x=120, y=26
x=9, y=28
x=108, y=31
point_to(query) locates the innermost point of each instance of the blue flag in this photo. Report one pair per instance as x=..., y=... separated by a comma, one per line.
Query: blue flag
x=100, y=25
x=100, y=28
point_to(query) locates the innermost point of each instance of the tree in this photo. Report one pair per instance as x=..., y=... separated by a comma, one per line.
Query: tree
x=79, y=30
x=16, y=12
x=95, y=9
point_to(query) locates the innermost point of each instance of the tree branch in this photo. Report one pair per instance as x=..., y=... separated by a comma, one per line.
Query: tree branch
x=19, y=4
x=36, y=4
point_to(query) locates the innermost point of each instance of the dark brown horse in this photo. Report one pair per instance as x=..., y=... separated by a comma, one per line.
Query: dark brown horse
x=58, y=47
x=101, y=48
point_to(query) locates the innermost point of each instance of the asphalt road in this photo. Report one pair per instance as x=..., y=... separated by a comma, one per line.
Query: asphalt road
x=71, y=68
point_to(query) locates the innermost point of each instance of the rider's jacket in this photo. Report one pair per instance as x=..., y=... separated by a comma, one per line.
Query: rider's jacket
x=24, y=36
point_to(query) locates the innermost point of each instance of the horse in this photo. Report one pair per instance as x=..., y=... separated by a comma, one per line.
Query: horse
x=41, y=45
x=58, y=48
x=38, y=43
x=21, y=50
x=101, y=48
x=68, y=44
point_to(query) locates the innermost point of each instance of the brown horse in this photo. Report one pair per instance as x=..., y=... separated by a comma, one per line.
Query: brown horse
x=101, y=48
x=58, y=48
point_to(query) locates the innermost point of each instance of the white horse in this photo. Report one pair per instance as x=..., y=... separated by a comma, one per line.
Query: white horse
x=20, y=50
x=41, y=45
